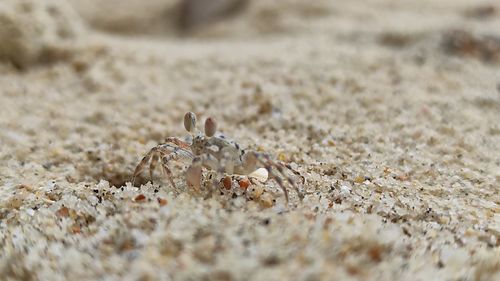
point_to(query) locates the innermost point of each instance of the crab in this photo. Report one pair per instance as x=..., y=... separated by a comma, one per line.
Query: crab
x=216, y=153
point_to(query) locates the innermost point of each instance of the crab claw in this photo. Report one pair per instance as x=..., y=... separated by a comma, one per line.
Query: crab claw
x=193, y=176
x=249, y=163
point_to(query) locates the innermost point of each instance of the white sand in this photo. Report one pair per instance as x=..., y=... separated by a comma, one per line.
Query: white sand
x=398, y=140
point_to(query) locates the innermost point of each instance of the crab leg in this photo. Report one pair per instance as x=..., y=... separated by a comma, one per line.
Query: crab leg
x=177, y=142
x=166, y=170
x=297, y=173
x=159, y=151
x=268, y=164
x=290, y=180
x=143, y=163
x=167, y=155
x=152, y=165
x=278, y=180
x=255, y=158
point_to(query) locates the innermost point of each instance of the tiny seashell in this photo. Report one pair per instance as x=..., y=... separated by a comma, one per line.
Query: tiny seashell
x=260, y=174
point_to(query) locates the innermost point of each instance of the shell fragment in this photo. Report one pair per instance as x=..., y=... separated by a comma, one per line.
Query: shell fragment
x=260, y=174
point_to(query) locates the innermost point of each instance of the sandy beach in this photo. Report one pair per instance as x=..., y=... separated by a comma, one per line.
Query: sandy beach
x=390, y=110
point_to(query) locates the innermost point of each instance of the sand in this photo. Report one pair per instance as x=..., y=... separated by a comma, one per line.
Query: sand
x=389, y=109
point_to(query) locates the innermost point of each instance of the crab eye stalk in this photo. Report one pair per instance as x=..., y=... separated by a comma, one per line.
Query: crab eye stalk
x=210, y=127
x=190, y=121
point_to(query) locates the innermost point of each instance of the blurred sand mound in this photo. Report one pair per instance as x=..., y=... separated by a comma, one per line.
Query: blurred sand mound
x=32, y=31
x=219, y=18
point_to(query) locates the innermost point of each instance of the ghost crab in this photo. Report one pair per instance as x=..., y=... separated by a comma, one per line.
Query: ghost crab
x=215, y=153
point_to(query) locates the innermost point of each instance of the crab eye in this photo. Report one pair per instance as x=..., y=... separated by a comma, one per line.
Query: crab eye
x=210, y=127
x=190, y=121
